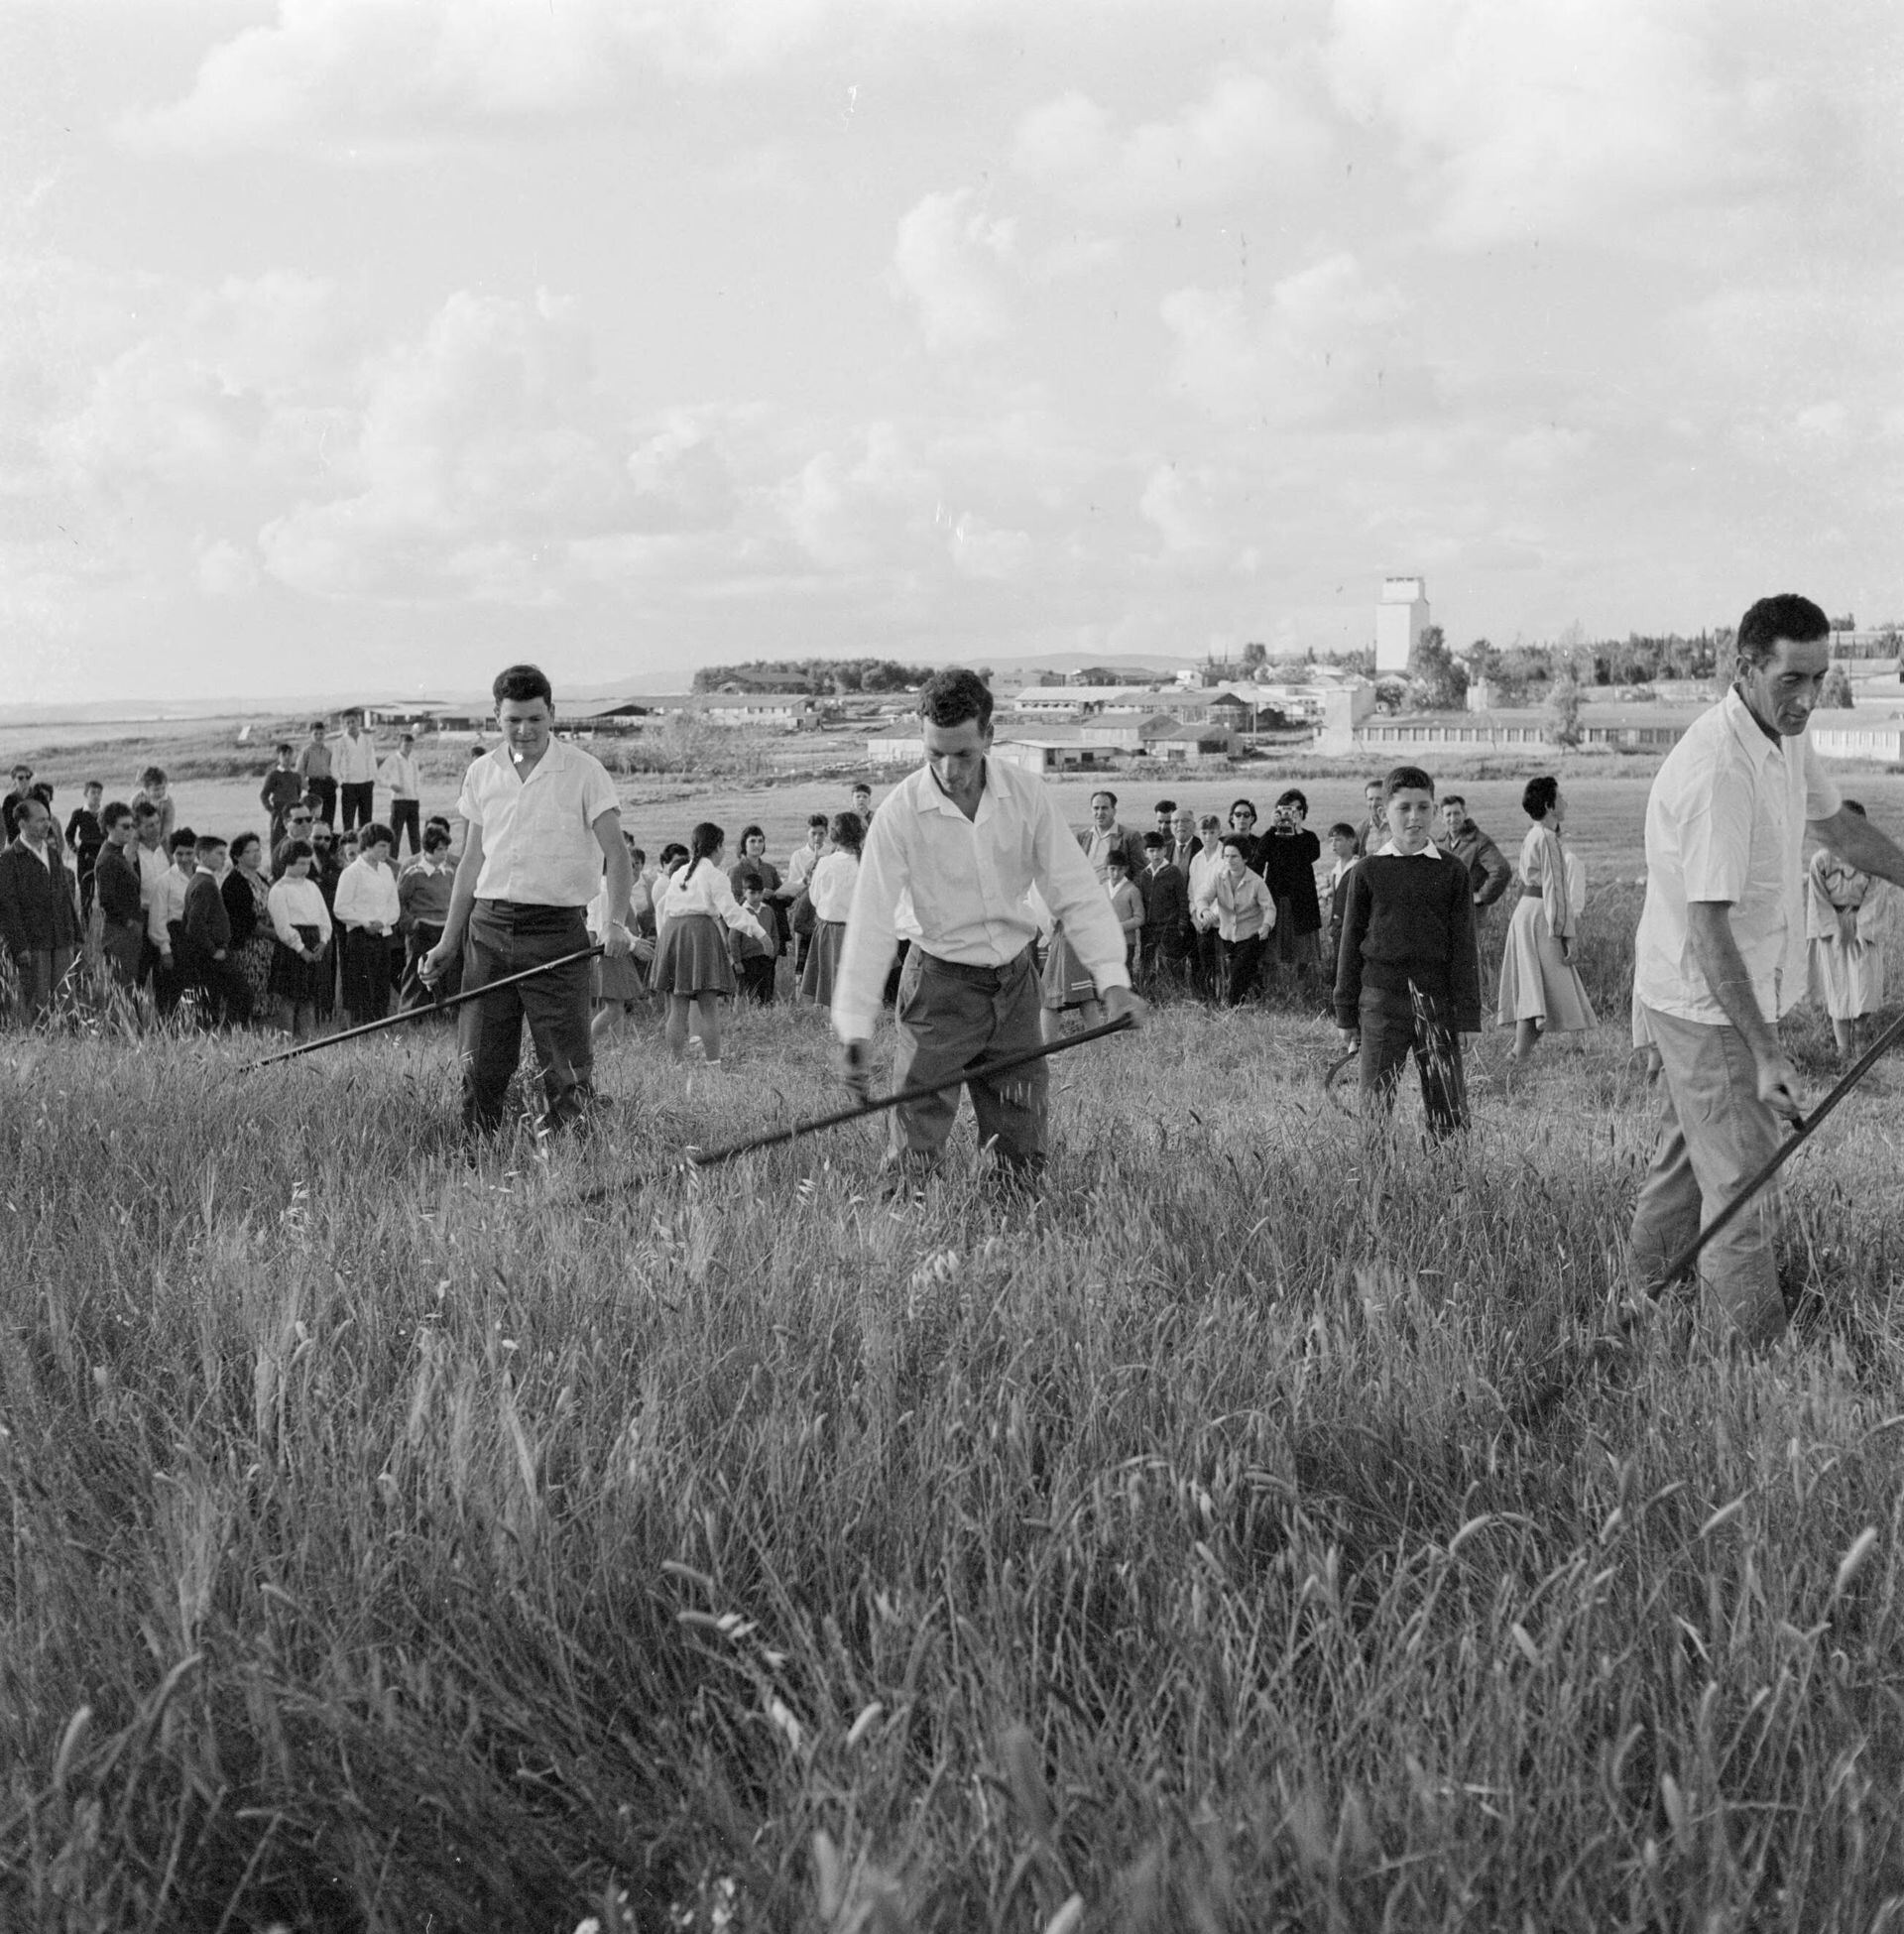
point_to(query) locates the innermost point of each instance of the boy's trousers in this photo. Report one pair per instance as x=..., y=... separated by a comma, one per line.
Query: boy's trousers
x=1389, y=1033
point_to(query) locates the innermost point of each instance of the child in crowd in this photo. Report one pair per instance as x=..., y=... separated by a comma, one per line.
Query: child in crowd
x=692, y=967
x=1127, y=903
x=829, y=892
x=1407, y=975
x=1166, y=909
x=753, y=959
x=1240, y=908
x=1343, y=839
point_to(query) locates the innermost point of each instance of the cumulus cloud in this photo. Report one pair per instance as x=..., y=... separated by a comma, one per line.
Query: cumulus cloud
x=227, y=571
x=1545, y=117
x=873, y=504
x=1249, y=132
x=482, y=438
x=946, y=264
x=1330, y=338
x=980, y=549
x=348, y=71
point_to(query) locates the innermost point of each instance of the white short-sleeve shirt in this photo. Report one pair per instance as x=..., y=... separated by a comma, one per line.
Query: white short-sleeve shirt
x=538, y=834
x=1726, y=821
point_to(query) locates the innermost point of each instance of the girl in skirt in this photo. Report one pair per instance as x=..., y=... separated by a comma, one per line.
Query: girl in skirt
x=829, y=889
x=301, y=969
x=1541, y=991
x=692, y=967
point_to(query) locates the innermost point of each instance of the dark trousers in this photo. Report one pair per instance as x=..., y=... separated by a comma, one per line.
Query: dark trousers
x=756, y=972
x=41, y=971
x=951, y=1020
x=367, y=976
x=327, y=790
x=1241, y=962
x=1391, y=1031
x=406, y=816
x=505, y=937
x=421, y=937
x=227, y=996
x=357, y=799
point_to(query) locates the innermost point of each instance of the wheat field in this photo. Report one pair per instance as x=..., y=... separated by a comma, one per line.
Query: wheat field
x=395, y=1541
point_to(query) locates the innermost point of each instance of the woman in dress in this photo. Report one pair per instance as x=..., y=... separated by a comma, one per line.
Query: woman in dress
x=301, y=924
x=1541, y=991
x=246, y=894
x=619, y=981
x=1286, y=857
x=829, y=888
x=691, y=965
x=1844, y=930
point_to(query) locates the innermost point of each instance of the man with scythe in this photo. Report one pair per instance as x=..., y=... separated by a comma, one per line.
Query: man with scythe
x=543, y=821
x=1721, y=954
x=963, y=839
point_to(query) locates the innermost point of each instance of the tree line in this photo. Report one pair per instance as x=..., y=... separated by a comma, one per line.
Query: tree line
x=818, y=677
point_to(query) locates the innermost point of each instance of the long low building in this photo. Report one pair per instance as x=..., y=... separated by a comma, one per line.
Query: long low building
x=1847, y=733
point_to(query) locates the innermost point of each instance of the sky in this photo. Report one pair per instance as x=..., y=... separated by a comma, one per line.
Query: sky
x=366, y=345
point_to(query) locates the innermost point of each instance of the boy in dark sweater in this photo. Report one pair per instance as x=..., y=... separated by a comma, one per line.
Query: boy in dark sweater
x=1407, y=974
x=207, y=934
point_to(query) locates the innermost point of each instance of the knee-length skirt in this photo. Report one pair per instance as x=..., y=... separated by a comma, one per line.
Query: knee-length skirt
x=1536, y=984
x=822, y=967
x=303, y=983
x=1848, y=984
x=692, y=957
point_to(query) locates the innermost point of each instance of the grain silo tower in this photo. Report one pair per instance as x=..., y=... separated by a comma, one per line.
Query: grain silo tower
x=1400, y=619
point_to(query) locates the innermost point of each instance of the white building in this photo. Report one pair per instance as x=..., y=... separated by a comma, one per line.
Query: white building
x=1400, y=619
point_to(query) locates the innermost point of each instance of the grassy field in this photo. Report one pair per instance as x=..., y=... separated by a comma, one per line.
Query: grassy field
x=393, y=1543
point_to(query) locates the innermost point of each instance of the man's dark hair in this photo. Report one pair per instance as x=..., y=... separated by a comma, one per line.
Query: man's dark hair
x=1342, y=830
x=1785, y=616
x=153, y=775
x=1155, y=842
x=1105, y=793
x=1454, y=799
x=1165, y=805
x=316, y=725
x=1407, y=778
x=816, y=820
x=523, y=684
x=207, y=844
x=93, y=786
x=950, y=697
x=143, y=811
x=111, y=814
x=283, y=746
x=1538, y=797
x=183, y=838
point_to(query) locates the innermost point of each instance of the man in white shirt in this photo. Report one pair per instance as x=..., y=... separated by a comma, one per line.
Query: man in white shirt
x=963, y=840
x=1720, y=954
x=165, y=917
x=354, y=767
x=543, y=824
x=399, y=773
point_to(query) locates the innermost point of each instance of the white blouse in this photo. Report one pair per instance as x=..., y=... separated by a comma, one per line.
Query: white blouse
x=298, y=903
x=367, y=893
x=706, y=892
x=830, y=890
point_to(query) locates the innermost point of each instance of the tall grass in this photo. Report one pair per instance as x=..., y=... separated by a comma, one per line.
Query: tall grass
x=391, y=1544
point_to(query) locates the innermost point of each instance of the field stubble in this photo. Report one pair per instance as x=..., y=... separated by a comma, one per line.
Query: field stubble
x=386, y=1539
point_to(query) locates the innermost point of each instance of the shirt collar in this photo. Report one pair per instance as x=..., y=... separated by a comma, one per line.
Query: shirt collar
x=1762, y=745
x=933, y=797
x=1389, y=850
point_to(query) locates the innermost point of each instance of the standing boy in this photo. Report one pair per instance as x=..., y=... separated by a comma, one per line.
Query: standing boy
x=543, y=824
x=1406, y=974
x=84, y=837
x=207, y=938
x=1166, y=908
x=354, y=762
x=399, y=773
x=282, y=790
x=313, y=767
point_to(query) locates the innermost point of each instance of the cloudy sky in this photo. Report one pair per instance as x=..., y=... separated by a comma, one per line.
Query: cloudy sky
x=352, y=344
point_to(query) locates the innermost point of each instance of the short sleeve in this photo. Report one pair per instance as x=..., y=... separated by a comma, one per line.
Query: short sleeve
x=1822, y=796
x=468, y=806
x=1715, y=839
x=598, y=792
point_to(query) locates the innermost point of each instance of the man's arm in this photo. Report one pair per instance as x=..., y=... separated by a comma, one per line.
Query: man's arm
x=1859, y=843
x=617, y=937
x=1708, y=930
x=1496, y=871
